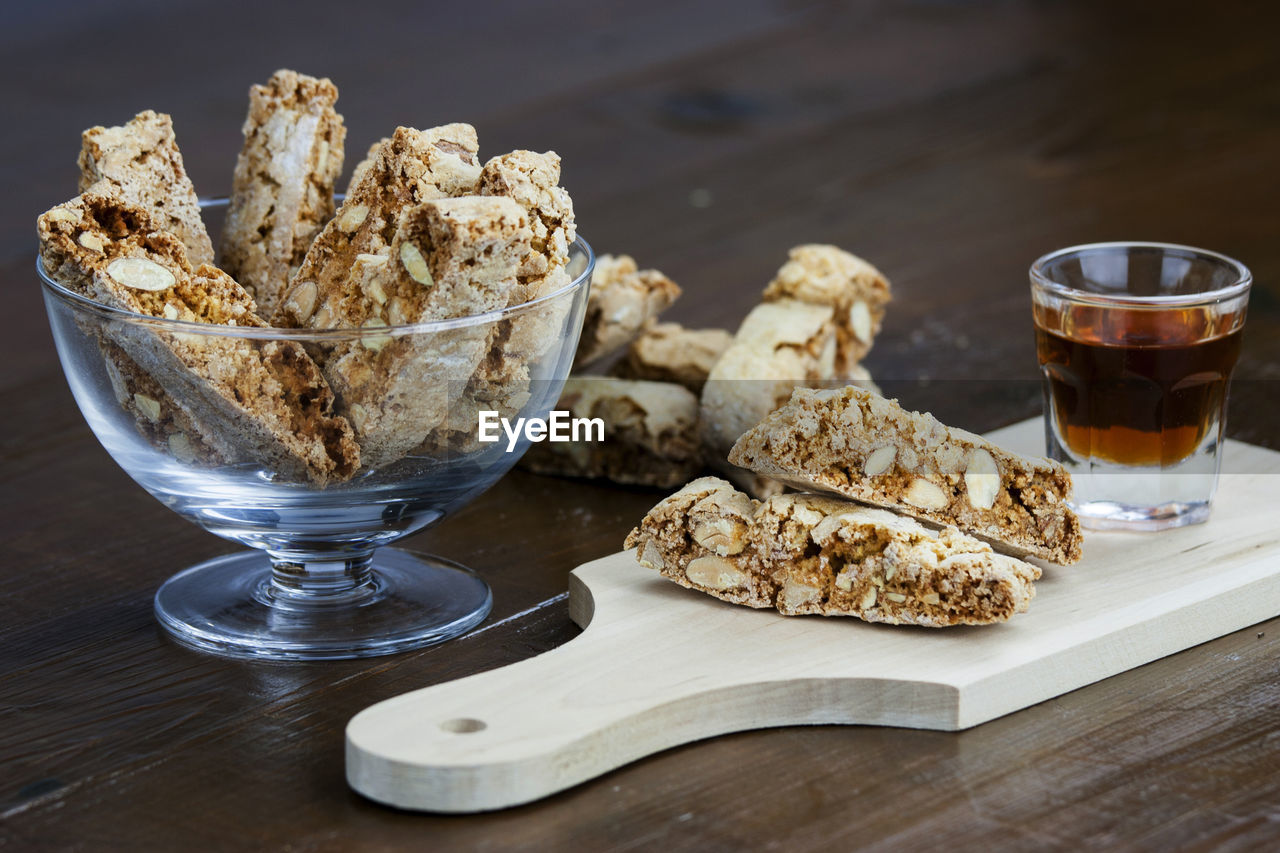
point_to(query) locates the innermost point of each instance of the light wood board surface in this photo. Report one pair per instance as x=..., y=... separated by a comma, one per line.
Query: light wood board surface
x=658, y=665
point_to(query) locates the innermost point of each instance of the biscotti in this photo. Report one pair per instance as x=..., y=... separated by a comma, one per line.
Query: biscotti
x=668, y=352
x=697, y=537
x=623, y=299
x=450, y=258
x=649, y=431
x=855, y=290
x=140, y=162
x=780, y=345
x=811, y=554
x=256, y=401
x=532, y=180
x=517, y=347
x=282, y=192
x=863, y=446
x=157, y=416
x=413, y=166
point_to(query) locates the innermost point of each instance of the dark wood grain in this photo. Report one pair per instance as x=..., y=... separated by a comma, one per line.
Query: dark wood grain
x=950, y=143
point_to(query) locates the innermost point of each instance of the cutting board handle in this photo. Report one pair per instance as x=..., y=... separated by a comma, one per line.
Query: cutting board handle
x=655, y=667
x=520, y=732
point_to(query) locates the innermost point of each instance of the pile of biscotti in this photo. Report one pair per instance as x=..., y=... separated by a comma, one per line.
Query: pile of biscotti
x=427, y=232
x=902, y=533
x=678, y=398
x=899, y=518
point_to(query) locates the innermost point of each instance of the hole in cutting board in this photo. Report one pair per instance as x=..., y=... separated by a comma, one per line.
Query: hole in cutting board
x=464, y=725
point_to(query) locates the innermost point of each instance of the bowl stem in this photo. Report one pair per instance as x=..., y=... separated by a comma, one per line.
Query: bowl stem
x=319, y=578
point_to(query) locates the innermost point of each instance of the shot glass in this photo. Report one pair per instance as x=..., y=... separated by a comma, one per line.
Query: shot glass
x=1136, y=344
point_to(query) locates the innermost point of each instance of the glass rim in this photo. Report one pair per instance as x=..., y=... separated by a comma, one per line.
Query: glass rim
x=1244, y=278
x=84, y=303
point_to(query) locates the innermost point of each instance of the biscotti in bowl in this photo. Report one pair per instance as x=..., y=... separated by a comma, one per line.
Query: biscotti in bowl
x=314, y=386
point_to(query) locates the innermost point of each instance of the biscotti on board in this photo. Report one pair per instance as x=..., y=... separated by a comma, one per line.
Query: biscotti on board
x=814, y=554
x=863, y=446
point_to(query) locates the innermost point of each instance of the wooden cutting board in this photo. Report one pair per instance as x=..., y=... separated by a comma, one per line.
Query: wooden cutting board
x=659, y=665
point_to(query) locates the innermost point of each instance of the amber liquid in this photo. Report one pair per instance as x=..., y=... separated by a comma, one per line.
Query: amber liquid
x=1136, y=387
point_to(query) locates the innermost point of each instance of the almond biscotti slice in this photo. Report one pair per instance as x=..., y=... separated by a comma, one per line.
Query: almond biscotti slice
x=282, y=192
x=780, y=345
x=828, y=275
x=650, y=432
x=668, y=352
x=157, y=416
x=532, y=180
x=865, y=447
x=263, y=402
x=623, y=298
x=812, y=554
x=450, y=258
x=411, y=167
x=140, y=161
x=516, y=346
x=699, y=537
x=834, y=557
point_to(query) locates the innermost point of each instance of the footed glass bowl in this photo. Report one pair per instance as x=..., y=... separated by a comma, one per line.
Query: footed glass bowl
x=318, y=583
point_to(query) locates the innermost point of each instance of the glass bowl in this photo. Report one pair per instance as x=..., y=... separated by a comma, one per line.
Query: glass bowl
x=318, y=584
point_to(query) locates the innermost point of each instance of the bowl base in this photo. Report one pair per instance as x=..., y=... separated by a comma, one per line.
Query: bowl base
x=226, y=606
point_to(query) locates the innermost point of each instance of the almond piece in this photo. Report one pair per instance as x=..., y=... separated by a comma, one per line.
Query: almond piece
x=141, y=274
x=322, y=156
x=91, y=241
x=827, y=358
x=724, y=536
x=982, y=480
x=879, y=460
x=302, y=301
x=651, y=556
x=795, y=595
x=180, y=447
x=895, y=597
x=868, y=599
x=415, y=264
x=149, y=406
x=396, y=312
x=715, y=573
x=63, y=214
x=925, y=495
x=352, y=218
x=375, y=342
x=357, y=414
x=860, y=321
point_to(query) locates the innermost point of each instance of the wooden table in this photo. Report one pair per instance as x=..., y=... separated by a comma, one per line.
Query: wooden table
x=950, y=143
